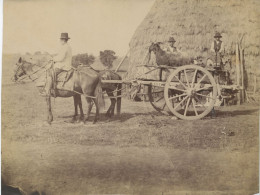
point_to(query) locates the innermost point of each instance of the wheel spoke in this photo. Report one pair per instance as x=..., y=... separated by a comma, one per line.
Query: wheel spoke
x=200, y=81
x=186, y=78
x=186, y=108
x=177, y=96
x=180, y=102
x=194, y=77
x=180, y=82
x=198, y=101
x=194, y=107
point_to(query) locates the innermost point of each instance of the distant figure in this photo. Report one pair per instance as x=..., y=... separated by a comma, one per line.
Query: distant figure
x=217, y=51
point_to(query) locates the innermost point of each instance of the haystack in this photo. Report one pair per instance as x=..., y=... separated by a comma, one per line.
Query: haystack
x=193, y=23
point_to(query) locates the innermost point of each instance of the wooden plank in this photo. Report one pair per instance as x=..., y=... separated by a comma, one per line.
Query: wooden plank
x=238, y=72
x=121, y=62
x=255, y=83
x=242, y=74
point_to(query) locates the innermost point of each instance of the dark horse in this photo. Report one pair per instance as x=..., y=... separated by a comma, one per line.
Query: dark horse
x=110, y=88
x=164, y=58
x=87, y=83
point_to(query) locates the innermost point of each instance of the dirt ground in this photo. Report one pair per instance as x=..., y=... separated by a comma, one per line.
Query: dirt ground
x=140, y=152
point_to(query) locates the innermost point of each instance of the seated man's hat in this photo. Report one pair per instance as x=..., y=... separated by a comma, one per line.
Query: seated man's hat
x=64, y=36
x=217, y=34
x=171, y=39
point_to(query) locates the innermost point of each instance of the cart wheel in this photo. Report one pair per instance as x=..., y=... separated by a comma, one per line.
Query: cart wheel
x=190, y=92
x=156, y=98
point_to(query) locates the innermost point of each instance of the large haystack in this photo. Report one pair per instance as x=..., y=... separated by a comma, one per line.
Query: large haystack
x=193, y=24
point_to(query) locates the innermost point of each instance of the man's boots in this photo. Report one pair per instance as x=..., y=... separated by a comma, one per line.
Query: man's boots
x=68, y=76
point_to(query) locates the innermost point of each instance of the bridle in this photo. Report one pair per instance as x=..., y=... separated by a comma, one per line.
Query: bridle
x=23, y=72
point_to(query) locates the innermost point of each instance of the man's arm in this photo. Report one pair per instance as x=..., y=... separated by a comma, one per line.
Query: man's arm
x=212, y=47
x=222, y=48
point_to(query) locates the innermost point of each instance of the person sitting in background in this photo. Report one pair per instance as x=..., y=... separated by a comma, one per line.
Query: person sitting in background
x=170, y=48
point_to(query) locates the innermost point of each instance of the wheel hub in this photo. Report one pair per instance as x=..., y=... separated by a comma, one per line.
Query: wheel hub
x=191, y=92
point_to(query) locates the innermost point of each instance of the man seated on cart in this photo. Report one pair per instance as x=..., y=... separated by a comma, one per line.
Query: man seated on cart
x=170, y=46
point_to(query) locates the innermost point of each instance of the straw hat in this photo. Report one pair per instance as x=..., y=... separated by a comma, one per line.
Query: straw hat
x=171, y=39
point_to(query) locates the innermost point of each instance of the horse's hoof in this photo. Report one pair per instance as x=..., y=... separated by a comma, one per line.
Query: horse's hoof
x=47, y=123
x=108, y=115
x=80, y=119
x=50, y=119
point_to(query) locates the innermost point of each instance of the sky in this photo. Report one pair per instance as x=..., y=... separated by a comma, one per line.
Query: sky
x=93, y=25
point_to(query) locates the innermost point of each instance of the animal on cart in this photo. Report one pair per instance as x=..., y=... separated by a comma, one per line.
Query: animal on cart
x=170, y=59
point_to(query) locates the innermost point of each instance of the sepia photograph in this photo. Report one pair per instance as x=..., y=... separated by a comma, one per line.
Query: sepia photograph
x=130, y=97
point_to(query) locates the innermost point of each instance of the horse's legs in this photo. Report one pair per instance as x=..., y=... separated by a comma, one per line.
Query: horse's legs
x=88, y=107
x=97, y=111
x=80, y=108
x=111, y=109
x=75, y=107
x=50, y=116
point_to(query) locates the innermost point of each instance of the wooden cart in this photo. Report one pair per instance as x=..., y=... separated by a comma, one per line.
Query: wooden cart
x=190, y=92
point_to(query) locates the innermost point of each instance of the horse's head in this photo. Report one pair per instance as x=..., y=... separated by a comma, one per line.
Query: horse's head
x=26, y=64
x=21, y=68
x=154, y=47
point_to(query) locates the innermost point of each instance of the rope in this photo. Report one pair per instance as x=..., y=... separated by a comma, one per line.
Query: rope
x=110, y=97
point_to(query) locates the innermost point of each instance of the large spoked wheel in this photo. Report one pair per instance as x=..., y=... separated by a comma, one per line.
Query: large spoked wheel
x=190, y=92
x=156, y=99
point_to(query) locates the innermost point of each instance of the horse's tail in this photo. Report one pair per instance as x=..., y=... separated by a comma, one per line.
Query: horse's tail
x=118, y=99
x=99, y=96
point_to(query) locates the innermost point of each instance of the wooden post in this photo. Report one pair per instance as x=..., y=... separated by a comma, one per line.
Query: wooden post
x=255, y=82
x=242, y=74
x=121, y=62
x=238, y=72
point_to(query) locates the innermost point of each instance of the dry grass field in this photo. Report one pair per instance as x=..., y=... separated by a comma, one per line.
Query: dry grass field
x=140, y=152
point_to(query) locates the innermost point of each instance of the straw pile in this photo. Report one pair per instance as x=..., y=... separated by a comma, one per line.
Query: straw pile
x=193, y=23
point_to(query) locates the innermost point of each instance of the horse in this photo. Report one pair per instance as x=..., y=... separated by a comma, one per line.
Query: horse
x=110, y=88
x=87, y=83
x=163, y=58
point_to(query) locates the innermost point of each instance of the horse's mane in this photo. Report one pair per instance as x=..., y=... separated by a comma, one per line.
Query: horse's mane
x=37, y=59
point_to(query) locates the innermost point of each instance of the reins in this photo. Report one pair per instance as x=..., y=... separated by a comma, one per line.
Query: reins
x=43, y=68
x=29, y=75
